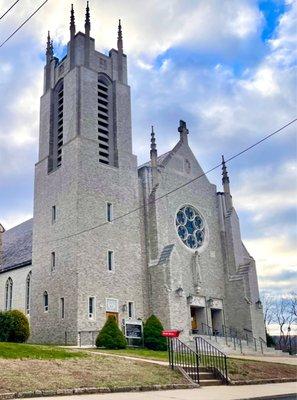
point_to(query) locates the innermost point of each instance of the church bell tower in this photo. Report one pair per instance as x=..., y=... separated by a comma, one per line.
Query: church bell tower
x=85, y=177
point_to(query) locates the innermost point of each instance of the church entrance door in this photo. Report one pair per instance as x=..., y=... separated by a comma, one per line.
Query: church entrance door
x=198, y=319
x=216, y=321
x=194, y=322
x=113, y=314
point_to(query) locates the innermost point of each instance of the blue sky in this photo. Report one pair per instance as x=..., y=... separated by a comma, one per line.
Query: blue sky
x=226, y=67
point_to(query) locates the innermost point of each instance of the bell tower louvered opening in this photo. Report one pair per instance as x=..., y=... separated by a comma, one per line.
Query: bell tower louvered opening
x=105, y=120
x=56, y=131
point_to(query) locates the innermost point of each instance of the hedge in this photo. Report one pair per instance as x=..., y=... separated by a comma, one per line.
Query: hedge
x=14, y=327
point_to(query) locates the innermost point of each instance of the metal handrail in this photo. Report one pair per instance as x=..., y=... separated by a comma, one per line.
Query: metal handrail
x=181, y=355
x=213, y=358
x=206, y=329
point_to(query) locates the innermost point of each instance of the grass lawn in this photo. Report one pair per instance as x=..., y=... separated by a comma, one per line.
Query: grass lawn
x=37, y=352
x=239, y=370
x=32, y=367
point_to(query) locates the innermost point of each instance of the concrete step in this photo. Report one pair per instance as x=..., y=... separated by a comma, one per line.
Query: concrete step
x=202, y=375
x=210, y=382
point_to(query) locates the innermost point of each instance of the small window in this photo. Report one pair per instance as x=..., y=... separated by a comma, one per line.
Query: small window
x=53, y=261
x=45, y=301
x=54, y=214
x=91, y=307
x=110, y=261
x=62, y=307
x=109, y=212
x=8, y=294
x=28, y=289
x=131, y=313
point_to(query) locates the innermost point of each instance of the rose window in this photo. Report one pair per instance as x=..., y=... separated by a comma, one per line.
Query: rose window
x=190, y=227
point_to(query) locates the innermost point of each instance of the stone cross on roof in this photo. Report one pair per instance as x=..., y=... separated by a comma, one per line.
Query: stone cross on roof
x=183, y=130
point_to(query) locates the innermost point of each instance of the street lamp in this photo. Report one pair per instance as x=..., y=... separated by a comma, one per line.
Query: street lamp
x=290, y=344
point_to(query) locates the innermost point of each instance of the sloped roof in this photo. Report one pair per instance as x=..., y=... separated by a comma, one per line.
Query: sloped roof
x=17, y=246
x=160, y=160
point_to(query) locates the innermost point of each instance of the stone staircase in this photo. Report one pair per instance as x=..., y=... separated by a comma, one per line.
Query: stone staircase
x=234, y=346
x=206, y=376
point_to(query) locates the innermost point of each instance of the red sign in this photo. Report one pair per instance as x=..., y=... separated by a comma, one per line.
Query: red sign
x=171, y=333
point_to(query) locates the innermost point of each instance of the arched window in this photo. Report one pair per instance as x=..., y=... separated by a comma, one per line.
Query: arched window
x=45, y=301
x=105, y=121
x=8, y=294
x=27, y=299
x=56, y=133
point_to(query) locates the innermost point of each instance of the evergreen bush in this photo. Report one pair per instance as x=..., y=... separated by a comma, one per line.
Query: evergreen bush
x=14, y=327
x=110, y=336
x=152, y=332
x=5, y=324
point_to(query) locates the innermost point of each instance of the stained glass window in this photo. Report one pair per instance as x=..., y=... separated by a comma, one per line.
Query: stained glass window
x=190, y=227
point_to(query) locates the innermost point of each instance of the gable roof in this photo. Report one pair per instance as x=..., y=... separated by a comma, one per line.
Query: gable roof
x=17, y=246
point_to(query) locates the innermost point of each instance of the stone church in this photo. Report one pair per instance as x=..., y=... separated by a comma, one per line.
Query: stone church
x=109, y=237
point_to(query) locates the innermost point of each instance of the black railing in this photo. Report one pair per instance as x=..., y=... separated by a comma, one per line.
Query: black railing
x=182, y=356
x=212, y=358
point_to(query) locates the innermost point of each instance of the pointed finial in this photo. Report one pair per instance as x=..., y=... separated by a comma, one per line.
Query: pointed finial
x=88, y=21
x=225, y=178
x=72, y=23
x=153, y=142
x=120, y=37
x=49, y=48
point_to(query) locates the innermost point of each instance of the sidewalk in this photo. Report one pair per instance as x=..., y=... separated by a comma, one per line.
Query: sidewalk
x=205, y=393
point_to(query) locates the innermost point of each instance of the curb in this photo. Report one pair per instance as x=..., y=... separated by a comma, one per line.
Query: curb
x=65, y=392
x=260, y=381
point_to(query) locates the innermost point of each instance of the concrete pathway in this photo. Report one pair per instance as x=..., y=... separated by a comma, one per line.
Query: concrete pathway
x=270, y=391
x=280, y=360
x=147, y=360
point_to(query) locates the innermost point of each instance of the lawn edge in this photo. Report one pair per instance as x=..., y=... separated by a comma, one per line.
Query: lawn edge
x=74, y=391
x=260, y=381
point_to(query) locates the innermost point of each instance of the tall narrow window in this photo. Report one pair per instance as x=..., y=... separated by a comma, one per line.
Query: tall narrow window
x=8, y=294
x=28, y=288
x=62, y=307
x=45, y=301
x=54, y=214
x=110, y=261
x=131, y=313
x=91, y=307
x=56, y=133
x=109, y=210
x=105, y=131
x=53, y=261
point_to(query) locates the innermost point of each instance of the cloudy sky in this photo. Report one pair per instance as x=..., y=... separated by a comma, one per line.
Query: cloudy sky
x=227, y=67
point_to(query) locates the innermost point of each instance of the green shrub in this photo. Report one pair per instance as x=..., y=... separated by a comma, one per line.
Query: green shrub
x=152, y=331
x=270, y=341
x=14, y=327
x=110, y=336
x=5, y=326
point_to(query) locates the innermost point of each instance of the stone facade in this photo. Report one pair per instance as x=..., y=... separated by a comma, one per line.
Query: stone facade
x=138, y=257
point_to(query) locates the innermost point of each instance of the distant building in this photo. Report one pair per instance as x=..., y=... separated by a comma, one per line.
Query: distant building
x=109, y=237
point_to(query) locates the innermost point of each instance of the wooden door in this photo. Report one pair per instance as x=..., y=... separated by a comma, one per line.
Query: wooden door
x=113, y=314
x=194, y=322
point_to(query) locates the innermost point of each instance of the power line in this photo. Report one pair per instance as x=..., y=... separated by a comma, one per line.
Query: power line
x=6, y=12
x=13, y=33
x=185, y=184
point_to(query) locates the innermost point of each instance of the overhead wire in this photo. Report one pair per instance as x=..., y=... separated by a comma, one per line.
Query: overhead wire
x=181, y=186
x=11, y=7
x=28, y=19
